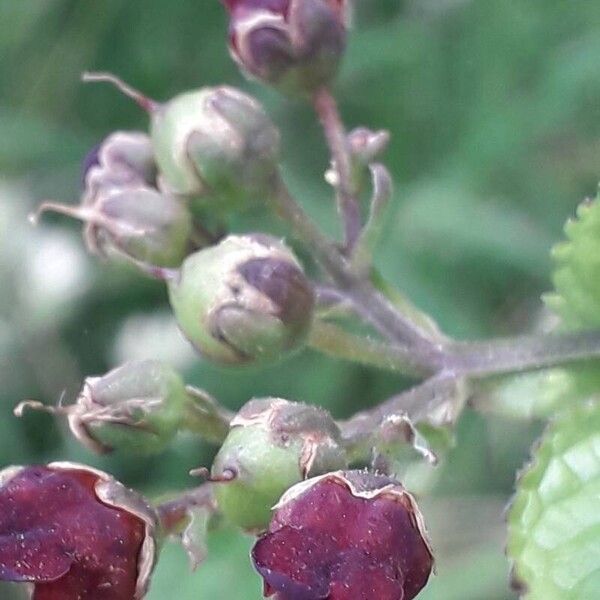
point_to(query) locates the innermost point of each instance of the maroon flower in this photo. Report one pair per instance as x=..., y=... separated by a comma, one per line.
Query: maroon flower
x=344, y=536
x=295, y=45
x=74, y=533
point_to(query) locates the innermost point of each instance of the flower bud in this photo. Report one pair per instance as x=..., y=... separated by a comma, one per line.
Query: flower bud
x=138, y=408
x=215, y=144
x=244, y=300
x=294, y=45
x=345, y=536
x=271, y=445
x=123, y=214
x=74, y=532
x=124, y=158
x=366, y=145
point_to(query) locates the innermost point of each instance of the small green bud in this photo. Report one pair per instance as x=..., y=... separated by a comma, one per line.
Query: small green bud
x=138, y=407
x=216, y=144
x=244, y=300
x=123, y=213
x=272, y=444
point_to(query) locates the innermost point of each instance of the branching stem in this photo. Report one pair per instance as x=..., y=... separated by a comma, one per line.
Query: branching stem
x=347, y=194
x=375, y=308
x=523, y=353
x=339, y=343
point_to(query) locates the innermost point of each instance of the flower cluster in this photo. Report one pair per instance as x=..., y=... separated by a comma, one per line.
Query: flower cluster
x=161, y=202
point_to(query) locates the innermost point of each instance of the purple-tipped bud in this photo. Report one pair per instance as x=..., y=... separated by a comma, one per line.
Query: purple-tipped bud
x=348, y=535
x=123, y=158
x=123, y=211
x=74, y=532
x=294, y=45
x=245, y=300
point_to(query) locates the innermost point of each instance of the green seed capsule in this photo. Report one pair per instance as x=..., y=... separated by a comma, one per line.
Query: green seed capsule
x=216, y=144
x=272, y=444
x=138, y=407
x=245, y=300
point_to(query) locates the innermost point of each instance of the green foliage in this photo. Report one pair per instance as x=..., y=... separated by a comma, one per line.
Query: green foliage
x=577, y=272
x=554, y=521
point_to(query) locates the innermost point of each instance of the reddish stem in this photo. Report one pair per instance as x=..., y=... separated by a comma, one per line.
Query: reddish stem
x=326, y=108
x=174, y=513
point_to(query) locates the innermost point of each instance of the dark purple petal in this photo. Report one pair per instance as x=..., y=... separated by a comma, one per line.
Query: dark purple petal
x=284, y=284
x=55, y=532
x=295, y=45
x=294, y=563
x=329, y=508
x=92, y=159
x=345, y=543
x=269, y=52
x=359, y=577
x=36, y=555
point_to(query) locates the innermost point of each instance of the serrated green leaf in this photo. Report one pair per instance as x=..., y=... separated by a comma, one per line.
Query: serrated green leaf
x=554, y=521
x=576, y=278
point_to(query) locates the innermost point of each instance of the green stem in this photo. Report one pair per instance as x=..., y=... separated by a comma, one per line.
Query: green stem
x=438, y=401
x=339, y=343
x=525, y=353
x=406, y=307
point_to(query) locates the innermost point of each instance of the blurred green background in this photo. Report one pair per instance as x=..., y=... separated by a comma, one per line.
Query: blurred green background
x=494, y=108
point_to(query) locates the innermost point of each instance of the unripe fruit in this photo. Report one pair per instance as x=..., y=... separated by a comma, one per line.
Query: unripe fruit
x=74, y=532
x=137, y=408
x=217, y=145
x=245, y=300
x=272, y=444
x=346, y=535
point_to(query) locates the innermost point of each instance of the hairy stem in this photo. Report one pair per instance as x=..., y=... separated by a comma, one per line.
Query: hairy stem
x=438, y=400
x=524, y=353
x=339, y=343
x=347, y=194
